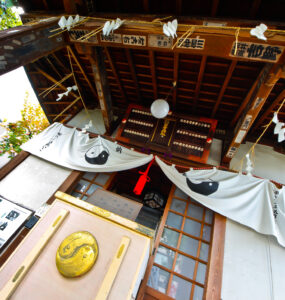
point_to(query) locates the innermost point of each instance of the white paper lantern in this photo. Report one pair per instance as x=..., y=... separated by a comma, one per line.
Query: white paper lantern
x=159, y=108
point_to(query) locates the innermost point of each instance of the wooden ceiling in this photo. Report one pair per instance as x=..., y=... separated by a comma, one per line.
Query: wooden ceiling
x=206, y=86
x=243, y=9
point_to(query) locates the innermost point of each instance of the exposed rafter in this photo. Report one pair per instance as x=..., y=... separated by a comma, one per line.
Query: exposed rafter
x=269, y=110
x=247, y=98
x=153, y=73
x=133, y=72
x=82, y=71
x=214, y=9
x=199, y=81
x=175, y=78
x=254, y=8
x=225, y=84
x=114, y=70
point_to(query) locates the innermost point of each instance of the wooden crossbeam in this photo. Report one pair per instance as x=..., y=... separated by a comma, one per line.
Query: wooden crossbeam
x=133, y=72
x=269, y=110
x=271, y=74
x=114, y=70
x=225, y=84
x=82, y=71
x=153, y=73
x=199, y=81
x=175, y=79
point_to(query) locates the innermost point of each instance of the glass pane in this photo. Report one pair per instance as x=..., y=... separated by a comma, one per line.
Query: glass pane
x=198, y=293
x=169, y=237
x=180, y=194
x=180, y=289
x=178, y=205
x=82, y=185
x=204, y=252
x=195, y=211
x=174, y=220
x=207, y=233
x=185, y=266
x=102, y=178
x=201, y=273
x=89, y=175
x=189, y=245
x=192, y=227
x=84, y=198
x=77, y=195
x=209, y=216
x=164, y=257
x=92, y=188
x=158, y=279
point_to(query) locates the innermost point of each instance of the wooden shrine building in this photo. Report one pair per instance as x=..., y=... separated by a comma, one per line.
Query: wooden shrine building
x=221, y=83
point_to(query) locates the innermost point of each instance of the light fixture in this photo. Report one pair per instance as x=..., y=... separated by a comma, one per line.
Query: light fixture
x=160, y=107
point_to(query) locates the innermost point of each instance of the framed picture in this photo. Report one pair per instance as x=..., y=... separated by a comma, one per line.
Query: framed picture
x=12, y=218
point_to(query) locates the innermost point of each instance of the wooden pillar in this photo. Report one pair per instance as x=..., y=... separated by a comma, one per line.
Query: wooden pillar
x=96, y=58
x=271, y=74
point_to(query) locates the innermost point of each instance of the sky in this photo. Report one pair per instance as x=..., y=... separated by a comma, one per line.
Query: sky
x=13, y=86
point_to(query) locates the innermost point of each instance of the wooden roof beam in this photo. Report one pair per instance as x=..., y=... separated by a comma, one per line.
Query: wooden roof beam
x=175, y=79
x=178, y=7
x=269, y=110
x=16, y=53
x=225, y=84
x=52, y=79
x=271, y=74
x=199, y=81
x=82, y=71
x=153, y=73
x=247, y=98
x=110, y=60
x=133, y=72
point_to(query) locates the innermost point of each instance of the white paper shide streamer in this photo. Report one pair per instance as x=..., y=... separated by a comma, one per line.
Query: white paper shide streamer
x=170, y=28
x=279, y=128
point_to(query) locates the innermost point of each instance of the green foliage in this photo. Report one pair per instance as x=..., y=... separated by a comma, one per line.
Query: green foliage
x=33, y=122
x=17, y=134
x=8, y=17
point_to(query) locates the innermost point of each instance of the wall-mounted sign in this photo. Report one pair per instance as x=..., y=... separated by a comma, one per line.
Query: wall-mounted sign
x=240, y=136
x=111, y=38
x=195, y=43
x=75, y=34
x=254, y=51
x=232, y=151
x=134, y=40
x=257, y=102
x=246, y=122
x=159, y=41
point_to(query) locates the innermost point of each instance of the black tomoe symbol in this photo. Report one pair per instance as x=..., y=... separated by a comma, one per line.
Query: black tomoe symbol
x=97, y=155
x=205, y=187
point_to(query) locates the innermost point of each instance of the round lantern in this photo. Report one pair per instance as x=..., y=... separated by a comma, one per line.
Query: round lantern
x=159, y=108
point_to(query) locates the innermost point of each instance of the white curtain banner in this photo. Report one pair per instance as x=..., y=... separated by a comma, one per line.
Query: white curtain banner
x=73, y=149
x=256, y=203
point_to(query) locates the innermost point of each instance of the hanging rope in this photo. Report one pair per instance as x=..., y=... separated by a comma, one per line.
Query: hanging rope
x=251, y=150
x=236, y=43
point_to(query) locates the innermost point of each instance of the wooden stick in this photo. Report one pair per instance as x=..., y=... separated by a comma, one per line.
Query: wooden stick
x=113, y=269
x=91, y=33
x=72, y=103
x=19, y=275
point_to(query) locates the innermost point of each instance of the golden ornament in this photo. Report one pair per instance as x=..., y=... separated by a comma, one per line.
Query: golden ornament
x=76, y=254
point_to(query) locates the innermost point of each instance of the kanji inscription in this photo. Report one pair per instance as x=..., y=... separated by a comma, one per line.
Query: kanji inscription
x=254, y=51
